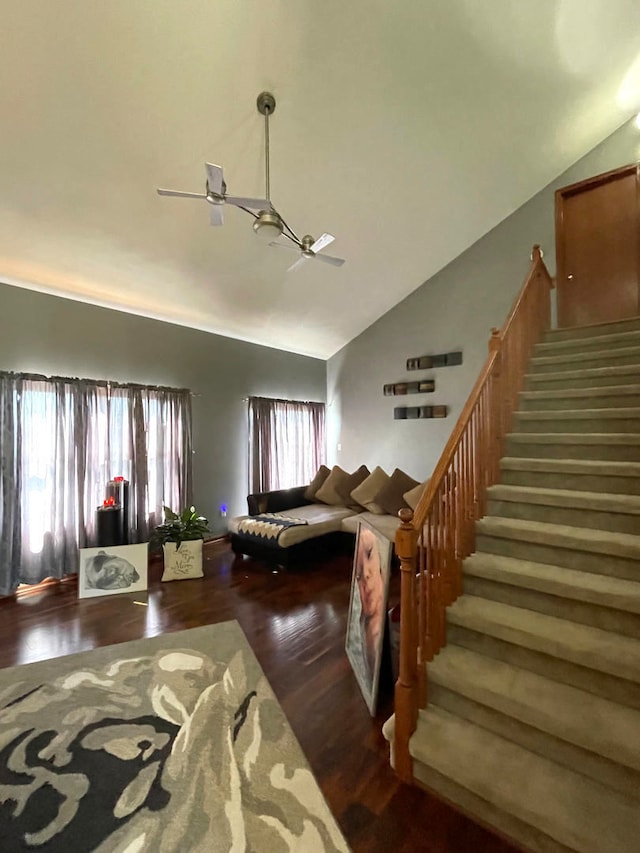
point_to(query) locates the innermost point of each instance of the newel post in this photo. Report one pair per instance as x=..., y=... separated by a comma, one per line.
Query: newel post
x=406, y=690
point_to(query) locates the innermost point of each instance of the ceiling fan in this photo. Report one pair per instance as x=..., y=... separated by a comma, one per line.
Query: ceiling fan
x=268, y=223
x=309, y=249
x=216, y=195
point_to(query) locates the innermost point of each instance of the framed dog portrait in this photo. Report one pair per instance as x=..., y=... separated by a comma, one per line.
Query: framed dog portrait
x=368, y=609
x=113, y=569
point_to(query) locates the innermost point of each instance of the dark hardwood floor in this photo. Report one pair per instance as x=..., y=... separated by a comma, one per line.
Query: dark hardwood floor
x=295, y=621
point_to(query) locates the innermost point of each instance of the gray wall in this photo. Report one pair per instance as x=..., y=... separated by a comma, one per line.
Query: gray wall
x=455, y=309
x=54, y=336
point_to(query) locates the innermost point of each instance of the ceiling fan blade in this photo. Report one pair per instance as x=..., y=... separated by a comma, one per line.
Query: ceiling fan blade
x=215, y=215
x=251, y=203
x=214, y=178
x=328, y=259
x=180, y=194
x=322, y=241
x=297, y=264
x=284, y=246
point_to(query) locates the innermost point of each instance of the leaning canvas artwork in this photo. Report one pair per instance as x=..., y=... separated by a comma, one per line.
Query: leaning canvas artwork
x=367, y=609
x=111, y=570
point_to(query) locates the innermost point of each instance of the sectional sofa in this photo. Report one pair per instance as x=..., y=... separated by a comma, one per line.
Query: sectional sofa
x=305, y=523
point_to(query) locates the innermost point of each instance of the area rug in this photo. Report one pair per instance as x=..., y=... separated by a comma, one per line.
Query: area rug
x=175, y=743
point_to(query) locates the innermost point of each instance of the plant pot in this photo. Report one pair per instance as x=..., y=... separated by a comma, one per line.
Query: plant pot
x=184, y=562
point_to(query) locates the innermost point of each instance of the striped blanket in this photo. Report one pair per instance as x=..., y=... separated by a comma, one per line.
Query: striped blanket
x=267, y=527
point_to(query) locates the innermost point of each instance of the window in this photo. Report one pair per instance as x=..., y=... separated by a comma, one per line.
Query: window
x=286, y=442
x=62, y=440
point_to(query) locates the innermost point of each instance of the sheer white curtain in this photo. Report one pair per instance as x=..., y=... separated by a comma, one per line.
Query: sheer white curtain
x=286, y=442
x=62, y=441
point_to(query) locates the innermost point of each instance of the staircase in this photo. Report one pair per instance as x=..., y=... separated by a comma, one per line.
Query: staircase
x=533, y=721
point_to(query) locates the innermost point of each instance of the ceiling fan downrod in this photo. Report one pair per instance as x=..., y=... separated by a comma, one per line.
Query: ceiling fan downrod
x=266, y=105
x=268, y=223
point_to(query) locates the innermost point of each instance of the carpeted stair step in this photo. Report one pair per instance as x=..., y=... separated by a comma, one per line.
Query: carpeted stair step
x=580, y=378
x=473, y=805
x=579, y=474
x=613, y=327
x=619, y=690
x=580, y=548
x=619, y=513
x=614, y=396
x=566, y=713
x=585, y=360
x=586, y=344
x=602, y=770
x=615, y=447
x=609, y=603
x=575, y=811
x=583, y=645
x=579, y=420
x=588, y=587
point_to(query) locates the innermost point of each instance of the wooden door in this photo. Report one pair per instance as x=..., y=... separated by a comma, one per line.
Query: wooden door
x=598, y=248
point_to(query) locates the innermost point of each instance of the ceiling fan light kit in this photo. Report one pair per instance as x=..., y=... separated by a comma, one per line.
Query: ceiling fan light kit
x=267, y=223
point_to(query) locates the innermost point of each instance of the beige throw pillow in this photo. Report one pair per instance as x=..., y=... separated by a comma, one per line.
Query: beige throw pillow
x=357, y=478
x=318, y=480
x=390, y=496
x=336, y=489
x=413, y=495
x=366, y=493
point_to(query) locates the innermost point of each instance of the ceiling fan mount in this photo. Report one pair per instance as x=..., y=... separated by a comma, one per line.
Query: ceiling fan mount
x=268, y=223
x=305, y=245
x=266, y=103
x=216, y=198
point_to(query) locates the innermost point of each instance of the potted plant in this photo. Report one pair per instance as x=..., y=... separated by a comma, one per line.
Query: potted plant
x=181, y=537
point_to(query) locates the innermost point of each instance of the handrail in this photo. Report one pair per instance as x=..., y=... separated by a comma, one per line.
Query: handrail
x=432, y=542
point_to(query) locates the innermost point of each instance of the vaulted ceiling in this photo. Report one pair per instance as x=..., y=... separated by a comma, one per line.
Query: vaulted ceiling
x=407, y=130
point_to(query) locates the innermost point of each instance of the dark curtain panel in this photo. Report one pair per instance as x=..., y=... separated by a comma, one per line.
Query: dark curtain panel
x=286, y=442
x=62, y=440
x=10, y=479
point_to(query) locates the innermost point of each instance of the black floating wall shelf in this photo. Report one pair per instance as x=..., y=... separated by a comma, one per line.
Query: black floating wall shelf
x=424, y=387
x=404, y=413
x=426, y=362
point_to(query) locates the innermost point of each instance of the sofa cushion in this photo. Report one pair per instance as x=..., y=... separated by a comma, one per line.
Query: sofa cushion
x=413, y=495
x=386, y=524
x=390, y=497
x=366, y=493
x=336, y=489
x=321, y=475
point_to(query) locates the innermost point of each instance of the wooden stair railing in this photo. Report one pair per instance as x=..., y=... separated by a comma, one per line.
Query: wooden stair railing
x=432, y=542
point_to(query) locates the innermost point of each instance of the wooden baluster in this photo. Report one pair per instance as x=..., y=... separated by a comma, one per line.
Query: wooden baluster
x=460, y=523
x=447, y=536
x=406, y=704
x=442, y=566
x=424, y=652
x=495, y=345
